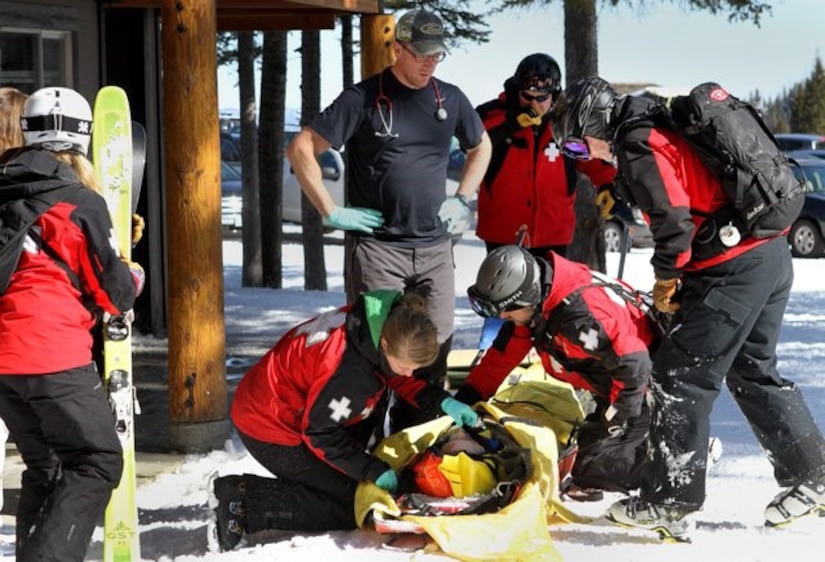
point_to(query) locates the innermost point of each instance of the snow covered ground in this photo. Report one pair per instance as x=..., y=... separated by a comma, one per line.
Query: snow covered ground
x=730, y=528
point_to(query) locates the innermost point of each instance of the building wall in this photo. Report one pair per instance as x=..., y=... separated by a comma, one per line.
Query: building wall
x=78, y=17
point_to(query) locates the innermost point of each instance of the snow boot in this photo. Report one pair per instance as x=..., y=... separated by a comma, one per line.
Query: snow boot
x=226, y=499
x=671, y=524
x=803, y=499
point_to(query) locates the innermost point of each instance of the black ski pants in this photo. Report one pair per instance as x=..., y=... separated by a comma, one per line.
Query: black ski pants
x=727, y=330
x=307, y=495
x=64, y=430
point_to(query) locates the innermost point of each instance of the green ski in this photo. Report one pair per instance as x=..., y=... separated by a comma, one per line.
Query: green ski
x=112, y=156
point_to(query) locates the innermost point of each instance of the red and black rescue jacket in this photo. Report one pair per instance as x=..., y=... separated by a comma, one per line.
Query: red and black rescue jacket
x=672, y=187
x=322, y=380
x=528, y=181
x=585, y=334
x=48, y=308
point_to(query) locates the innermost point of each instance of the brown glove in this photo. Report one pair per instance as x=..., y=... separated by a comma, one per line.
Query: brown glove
x=138, y=224
x=663, y=291
x=605, y=203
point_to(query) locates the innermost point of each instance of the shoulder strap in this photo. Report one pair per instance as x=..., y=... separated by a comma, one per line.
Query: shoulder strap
x=14, y=245
x=642, y=301
x=34, y=233
x=658, y=115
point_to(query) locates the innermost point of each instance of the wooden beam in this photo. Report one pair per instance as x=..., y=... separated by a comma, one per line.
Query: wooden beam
x=270, y=6
x=197, y=357
x=253, y=20
x=359, y=6
x=377, y=36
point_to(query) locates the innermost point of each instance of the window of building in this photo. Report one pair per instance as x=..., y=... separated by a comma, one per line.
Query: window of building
x=32, y=59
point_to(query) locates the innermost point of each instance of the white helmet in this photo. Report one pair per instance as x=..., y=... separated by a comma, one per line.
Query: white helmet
x=57, y=119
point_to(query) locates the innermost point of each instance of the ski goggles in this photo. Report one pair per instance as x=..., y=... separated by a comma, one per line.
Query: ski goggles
x=539, y=98
x=488, y=308
x=576, y=149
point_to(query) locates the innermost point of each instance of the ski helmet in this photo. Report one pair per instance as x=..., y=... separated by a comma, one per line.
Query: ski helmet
x=57, y=119
x=584, y=109
x=509, y=278
x=540, y=73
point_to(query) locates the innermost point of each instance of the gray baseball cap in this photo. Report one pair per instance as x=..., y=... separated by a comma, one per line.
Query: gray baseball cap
x=423, y=31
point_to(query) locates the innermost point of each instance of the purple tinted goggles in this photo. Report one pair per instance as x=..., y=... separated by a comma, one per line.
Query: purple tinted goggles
x=576, y=149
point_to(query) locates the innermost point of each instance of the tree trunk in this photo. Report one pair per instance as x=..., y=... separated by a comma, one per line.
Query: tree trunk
x=581, y=46
x=271, y=155
x=588, y=245
x=251, y=234
x=581, y=60
x=315, y=271
x=347, y=51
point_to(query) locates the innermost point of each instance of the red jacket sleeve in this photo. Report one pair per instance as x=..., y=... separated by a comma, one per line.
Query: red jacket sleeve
x=507, y=352
x=600, y=172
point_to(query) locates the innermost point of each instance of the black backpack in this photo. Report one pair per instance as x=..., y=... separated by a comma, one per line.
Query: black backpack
x=735, y=144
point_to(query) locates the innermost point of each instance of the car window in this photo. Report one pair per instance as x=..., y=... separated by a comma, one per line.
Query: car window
x=229, y=150
x=229, y=172
x=814, y=176
x=327, y=160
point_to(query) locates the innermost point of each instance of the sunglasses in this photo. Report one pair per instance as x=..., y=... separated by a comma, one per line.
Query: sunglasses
x=539, y=98
x=576, y=149
x=437, y=57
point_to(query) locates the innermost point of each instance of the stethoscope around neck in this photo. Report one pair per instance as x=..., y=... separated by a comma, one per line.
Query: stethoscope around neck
x=383, y=99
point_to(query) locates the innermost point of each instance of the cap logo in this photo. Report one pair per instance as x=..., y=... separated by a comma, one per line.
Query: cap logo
x=718, y=94
x=431, y=28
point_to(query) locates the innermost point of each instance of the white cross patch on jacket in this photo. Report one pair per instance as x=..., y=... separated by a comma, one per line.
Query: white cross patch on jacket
x=590, y=340
x=340, y=409
x=552, y=151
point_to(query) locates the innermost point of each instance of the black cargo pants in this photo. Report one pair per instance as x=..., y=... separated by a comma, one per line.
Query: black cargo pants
x=307, y=495
x=727, y=330
x=65, y=432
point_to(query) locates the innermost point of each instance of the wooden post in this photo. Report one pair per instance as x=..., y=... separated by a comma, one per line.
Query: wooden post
x=377, y=37
x=197, y=366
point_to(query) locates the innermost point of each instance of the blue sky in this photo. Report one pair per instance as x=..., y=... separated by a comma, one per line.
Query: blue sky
x=661, y=44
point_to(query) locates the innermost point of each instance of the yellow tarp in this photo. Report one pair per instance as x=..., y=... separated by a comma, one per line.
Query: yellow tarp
x=518, y=532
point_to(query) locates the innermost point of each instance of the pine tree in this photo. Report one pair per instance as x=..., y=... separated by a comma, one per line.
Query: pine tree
x=808, y=106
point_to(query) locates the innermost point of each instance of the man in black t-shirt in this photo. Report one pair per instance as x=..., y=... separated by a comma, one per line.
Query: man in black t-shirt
x=397, y=127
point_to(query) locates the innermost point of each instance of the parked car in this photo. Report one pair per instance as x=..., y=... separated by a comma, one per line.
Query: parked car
x=637, y=229
x=332, y=170
x=230, y=148
x=816, y=153
x=231, y=200
x=799, y=141
x=456, y=164
x=807, y=235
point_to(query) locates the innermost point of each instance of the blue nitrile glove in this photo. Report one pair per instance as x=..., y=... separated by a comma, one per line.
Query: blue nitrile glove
x=355, y=218
x=454, y=210
x=388, y=481
x=461, y=413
